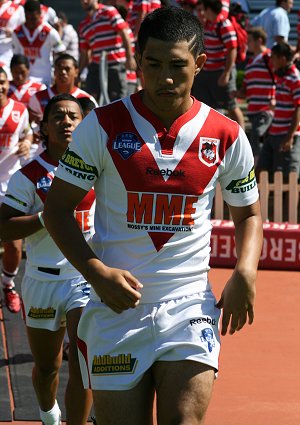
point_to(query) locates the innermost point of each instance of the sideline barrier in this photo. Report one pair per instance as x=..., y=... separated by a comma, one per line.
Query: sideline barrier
x=281, y=247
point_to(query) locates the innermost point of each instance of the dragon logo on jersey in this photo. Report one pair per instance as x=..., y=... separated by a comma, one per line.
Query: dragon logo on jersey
x=126, y=144
x=208, y=151
x=244, y=184
x=44, y=183
x=207, y=336
x=15, y=116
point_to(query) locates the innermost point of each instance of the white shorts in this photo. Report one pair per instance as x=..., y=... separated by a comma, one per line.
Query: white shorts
x=115, y=350
x=46, y=303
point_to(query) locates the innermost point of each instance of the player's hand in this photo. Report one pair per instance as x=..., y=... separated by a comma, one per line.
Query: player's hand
x=24, y=148
x=287, y=144
x=237, y=301
x=117, y=288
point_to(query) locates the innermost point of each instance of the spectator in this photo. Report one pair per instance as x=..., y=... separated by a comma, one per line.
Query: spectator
x=21, y=88
x=53, y=292
x=65, y=75
x=275, y=21
x=281, y=150
x=87, y=105
x=68, y=35
x=15, y=142
x=11, y=16
x=216, y=84
x=258, y=88
x=104, y=30
x=38, y=41
x=154, y=159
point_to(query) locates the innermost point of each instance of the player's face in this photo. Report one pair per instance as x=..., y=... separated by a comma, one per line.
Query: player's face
x=4, y=86
x=168, y=70
x=20, y=74
x=65, y=72
x=88, y=5
x=63, y=118
x=278, y=62
x=33, y=19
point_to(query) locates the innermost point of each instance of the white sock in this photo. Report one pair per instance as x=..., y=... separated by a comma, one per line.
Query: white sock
x=52, y=417
x=7, y=278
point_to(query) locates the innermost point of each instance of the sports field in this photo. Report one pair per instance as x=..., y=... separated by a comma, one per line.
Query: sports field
x=259, y=377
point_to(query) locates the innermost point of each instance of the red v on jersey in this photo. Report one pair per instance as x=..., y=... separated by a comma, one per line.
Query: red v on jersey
x=32, y=43
x=164, y=180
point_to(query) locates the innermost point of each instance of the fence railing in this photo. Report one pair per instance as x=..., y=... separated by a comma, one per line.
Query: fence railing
x=279, y=200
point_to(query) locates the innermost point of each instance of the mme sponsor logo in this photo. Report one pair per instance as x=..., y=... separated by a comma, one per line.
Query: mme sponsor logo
x=42, y=313
x=76, y=166
x=244, y=184
x=120, y=364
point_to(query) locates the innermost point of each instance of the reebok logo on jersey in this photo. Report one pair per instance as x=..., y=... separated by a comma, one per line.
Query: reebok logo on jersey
x=42, y=313
x=119, y=365
x=200, y=320
x=76, y=166
x=126, y=144
x=244, y=184
x=167, y=172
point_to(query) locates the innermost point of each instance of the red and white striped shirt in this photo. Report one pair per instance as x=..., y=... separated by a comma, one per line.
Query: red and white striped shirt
x=39, y=100
x=287, y=99
x=24, y=92
x=259, y=84
x=100, y=33
x=135, y=8
x=219, y=36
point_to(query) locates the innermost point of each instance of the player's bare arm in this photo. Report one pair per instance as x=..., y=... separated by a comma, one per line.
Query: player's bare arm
x=238, y=296
x=118, y=289
x=15, y=225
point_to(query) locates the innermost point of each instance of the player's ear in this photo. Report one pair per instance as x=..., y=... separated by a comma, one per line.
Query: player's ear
x=138, y=59
x=200, y=61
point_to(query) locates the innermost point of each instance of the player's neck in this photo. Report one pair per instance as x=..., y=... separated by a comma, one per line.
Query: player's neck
x=64, y=88
x=3, y=101
x=54, y=152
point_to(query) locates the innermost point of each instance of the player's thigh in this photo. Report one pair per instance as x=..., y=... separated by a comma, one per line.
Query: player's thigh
x=130, y=407
x=183, y=391
x=46, y=346
x=73, y=317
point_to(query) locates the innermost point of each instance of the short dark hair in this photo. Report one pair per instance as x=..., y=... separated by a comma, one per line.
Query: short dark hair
x=2, y=71
x=214, y=5
x=87, y=104
x=171, y=24
x=32, y=6
x=19, y=59
x=283, y=49
x=66, y=56
x=257, y=33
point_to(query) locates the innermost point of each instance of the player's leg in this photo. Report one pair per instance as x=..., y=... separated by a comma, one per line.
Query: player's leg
x=78, y=401
x=131, y=407
x=183, y=391
x=11, y=258
x=46, y=346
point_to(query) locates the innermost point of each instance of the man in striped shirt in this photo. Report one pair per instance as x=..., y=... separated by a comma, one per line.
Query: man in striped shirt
x=281, y=150
x=258, y=87
x=104, y=30
x=216, y=84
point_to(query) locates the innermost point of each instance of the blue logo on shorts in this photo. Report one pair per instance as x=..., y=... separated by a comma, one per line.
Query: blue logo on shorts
x=126, y=144
x=208, y=336
x=44, y=183
x=86, y=291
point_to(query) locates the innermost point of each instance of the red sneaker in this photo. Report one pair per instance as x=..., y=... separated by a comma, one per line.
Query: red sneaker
x=12, y=300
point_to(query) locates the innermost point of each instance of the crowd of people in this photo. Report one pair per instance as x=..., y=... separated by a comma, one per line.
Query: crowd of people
x=137, y=235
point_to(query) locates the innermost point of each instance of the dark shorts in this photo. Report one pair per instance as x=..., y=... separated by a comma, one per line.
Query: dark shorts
x=207, y=90
x=272, y=159
x=115, y=80
x=260, y=123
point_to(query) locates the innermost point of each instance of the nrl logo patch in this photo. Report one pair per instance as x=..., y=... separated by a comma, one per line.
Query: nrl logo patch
x=44, y=183
x=209, y=151
x=126, y=144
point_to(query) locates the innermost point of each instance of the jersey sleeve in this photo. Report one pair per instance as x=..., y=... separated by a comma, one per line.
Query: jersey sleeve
x=238, y=181
x=82, y=162
x=20, y=193
x=56, y=42
x=17, y=48
x=25, y=128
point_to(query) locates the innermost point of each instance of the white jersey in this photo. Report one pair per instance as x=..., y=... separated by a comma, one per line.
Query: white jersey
x=11, y=16
x=39, y=47
x=40, y=99
x=14, y=125
x=155, y=189
x=27, y=191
